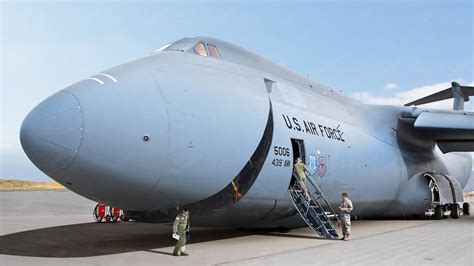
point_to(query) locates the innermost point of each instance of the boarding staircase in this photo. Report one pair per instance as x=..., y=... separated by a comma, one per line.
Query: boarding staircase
x=316, y=212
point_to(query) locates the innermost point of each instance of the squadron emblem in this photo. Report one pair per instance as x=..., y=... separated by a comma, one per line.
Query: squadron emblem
x=322, y=167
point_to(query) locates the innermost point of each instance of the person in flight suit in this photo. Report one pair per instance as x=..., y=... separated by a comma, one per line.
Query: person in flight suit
x=181, y=227
x=345, y=208
x=301, y=169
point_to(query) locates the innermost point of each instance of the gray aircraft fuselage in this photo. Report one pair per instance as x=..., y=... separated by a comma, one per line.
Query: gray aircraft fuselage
x=176, y=128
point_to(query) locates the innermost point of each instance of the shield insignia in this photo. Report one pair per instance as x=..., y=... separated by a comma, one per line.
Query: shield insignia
x=312, y=163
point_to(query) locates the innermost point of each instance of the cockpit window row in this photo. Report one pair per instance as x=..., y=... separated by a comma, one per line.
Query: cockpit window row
x=200, y=49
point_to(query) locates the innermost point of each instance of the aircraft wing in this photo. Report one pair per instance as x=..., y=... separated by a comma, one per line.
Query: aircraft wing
x=452, y=130
x=466, y=91
x=458, y=92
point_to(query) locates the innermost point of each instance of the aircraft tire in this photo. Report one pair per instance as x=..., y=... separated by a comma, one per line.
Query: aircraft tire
x=455, y=211
x=438, y=215
x=466, y=208
x=446, y=207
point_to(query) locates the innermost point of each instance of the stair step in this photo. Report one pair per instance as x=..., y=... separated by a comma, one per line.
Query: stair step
x=314, y=214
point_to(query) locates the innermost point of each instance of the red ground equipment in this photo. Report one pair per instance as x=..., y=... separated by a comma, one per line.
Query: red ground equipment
x=102, y=211
x=116, y=214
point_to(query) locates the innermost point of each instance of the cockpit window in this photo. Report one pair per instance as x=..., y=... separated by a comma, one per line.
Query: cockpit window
x=179, y=46
x=200, y=49
x=213, y=51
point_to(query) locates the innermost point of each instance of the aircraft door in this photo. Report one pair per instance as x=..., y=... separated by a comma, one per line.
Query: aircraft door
x=298, y=151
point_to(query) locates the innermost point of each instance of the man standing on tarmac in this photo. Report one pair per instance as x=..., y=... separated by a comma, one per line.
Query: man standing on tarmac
x=181, y=227
x=301, y=170
x=345, y=208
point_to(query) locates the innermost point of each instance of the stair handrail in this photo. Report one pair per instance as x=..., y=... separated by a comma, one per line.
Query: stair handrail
x=318, y=227
x=320, y=192
x=321, y=225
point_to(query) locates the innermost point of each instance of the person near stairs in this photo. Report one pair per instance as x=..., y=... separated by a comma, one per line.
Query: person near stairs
x=345, y=208
x=300, y=170
x=181, y=227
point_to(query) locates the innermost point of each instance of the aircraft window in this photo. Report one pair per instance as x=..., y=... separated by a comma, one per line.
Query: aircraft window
x=200, y=49
x=179, y=46
x=213, y=51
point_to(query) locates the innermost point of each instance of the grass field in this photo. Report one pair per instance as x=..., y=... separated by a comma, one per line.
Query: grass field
x=15, y=185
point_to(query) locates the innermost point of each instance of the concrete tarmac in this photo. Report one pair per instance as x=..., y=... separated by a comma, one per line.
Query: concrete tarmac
x=57, y=228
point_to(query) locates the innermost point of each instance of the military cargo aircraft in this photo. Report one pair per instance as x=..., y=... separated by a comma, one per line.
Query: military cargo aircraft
x=204, y=124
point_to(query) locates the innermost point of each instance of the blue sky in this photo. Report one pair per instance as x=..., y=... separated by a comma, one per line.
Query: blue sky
x=376, y=51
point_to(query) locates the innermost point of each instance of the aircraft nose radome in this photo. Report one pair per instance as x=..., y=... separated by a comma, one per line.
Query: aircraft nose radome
x=51, y=133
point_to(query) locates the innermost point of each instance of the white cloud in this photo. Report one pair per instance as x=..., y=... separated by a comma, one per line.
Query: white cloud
x=390, y=86
x=407, y=96
x=401, y=98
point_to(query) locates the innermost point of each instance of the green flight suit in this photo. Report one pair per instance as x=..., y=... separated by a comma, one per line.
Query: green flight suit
x=300, y=169
x=180, y=226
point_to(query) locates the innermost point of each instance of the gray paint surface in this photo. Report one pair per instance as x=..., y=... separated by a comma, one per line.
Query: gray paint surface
x=204, y=118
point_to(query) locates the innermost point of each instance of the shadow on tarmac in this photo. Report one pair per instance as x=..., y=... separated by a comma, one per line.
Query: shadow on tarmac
x=95, y=239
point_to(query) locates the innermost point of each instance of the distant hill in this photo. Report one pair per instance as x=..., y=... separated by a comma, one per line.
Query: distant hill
x=16, y=185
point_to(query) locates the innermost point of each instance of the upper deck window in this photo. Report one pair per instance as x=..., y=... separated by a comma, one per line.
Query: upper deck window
x=213, y=51
x=200, y=49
